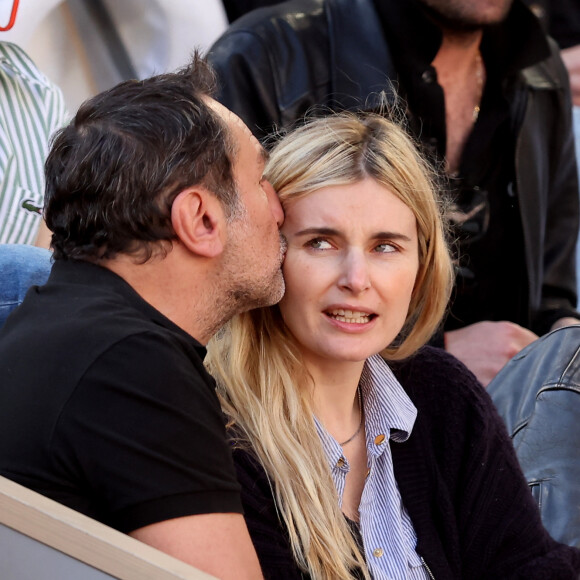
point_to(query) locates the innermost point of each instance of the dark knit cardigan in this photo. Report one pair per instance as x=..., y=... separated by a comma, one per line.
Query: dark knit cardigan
x=460, y=482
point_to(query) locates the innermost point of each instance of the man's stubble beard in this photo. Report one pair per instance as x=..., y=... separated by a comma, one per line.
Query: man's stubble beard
x=460, y=15
x=244, y=292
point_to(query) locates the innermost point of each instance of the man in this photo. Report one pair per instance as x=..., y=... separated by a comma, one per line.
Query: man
x=561, y=19
x=487, y=95
x=163, y=228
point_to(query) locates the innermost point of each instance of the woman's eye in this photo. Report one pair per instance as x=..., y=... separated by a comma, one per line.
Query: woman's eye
x=319, y=244
x=385, y=248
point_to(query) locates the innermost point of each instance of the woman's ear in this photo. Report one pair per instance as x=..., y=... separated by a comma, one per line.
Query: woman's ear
x=199, y=221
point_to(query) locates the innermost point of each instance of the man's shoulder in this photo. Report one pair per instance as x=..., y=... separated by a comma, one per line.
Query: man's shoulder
x=549, y=73
x=269, y=17
x=271, y=30
x=72, y=324
x=299, y=23
x=275, y=64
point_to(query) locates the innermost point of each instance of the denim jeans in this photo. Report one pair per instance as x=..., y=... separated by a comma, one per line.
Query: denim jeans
x=21, y=266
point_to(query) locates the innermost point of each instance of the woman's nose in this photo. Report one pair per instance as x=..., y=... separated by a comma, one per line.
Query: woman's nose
x=355, y=275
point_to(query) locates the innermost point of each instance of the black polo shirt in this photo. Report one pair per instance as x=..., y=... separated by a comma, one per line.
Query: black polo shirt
x=105, y=405
x=488, y=246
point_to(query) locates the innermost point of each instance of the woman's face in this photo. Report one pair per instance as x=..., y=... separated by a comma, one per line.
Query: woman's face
x=350, y=269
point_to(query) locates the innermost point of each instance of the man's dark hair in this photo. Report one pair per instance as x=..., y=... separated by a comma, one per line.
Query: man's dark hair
x=113, y=173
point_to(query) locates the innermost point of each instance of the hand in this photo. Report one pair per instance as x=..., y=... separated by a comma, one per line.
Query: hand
x=485, y=347
x=566, y=321
x=571, y=58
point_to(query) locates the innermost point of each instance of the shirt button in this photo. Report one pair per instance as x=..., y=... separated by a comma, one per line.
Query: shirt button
x=378, y=552
x=379, y=439
x=428, y=76
x=368, y=472
x=340, y=462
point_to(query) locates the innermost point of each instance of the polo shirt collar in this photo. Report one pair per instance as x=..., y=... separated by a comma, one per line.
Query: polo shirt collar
x=86, y=273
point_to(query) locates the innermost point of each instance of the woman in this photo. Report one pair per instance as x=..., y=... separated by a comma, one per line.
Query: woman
x=426, y=479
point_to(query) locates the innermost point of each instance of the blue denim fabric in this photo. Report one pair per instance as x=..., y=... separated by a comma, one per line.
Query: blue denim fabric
x=21, y=266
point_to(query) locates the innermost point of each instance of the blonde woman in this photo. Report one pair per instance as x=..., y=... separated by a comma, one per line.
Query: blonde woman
x=360, y=453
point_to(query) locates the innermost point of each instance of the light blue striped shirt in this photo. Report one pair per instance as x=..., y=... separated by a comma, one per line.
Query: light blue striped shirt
x=389, y=539
x=31, y=110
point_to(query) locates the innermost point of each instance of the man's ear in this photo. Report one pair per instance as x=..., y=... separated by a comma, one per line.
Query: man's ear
x=198, y=219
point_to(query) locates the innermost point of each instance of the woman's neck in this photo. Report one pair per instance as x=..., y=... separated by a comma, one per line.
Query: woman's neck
x=335, y=397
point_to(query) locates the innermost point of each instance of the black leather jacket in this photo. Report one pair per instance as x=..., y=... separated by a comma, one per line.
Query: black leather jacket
x=538, y=395
x=276, y=63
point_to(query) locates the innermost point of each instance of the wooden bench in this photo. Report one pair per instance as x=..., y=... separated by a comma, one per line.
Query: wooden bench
x=41, y=539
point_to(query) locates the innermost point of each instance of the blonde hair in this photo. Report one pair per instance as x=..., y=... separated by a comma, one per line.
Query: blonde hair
x=262, y=383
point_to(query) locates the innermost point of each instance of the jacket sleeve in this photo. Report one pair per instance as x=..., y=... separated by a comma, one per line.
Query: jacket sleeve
x=246, y=79
x=499, y=517
x=538, y=396
x=481, y=509
x=548, y=137
x=273, y=65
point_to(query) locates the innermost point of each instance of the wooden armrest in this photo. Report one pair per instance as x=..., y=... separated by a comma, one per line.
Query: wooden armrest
x=85, y=539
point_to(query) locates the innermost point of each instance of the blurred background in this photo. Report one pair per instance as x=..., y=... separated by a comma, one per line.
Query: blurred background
x=85, y=46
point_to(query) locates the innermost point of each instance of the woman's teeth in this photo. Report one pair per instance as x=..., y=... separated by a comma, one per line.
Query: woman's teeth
x=350, y=316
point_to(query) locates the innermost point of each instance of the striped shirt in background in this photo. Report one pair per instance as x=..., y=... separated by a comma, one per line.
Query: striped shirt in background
x=31, y=110
x=387, y=531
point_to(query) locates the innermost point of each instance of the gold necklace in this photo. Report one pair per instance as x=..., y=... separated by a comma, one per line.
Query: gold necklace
x=360, y=419
x=479, y=72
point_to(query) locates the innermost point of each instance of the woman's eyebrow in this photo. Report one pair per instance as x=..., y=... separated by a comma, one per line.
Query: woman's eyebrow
x=325, y=231
x=320, y=231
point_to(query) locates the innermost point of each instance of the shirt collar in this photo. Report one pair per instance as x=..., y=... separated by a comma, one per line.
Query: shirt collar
x=80, y=272
x=388, y=411
x=387, y=407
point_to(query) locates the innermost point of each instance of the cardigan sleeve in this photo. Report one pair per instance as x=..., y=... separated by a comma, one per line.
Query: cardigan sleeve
x=499, y=516
x=477, y=502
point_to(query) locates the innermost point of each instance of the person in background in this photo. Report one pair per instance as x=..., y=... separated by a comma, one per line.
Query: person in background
x=163, y=227
x=21, y=266
x=561, y=19
x=31, y=109
x=488, y=96
x=361, y=453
